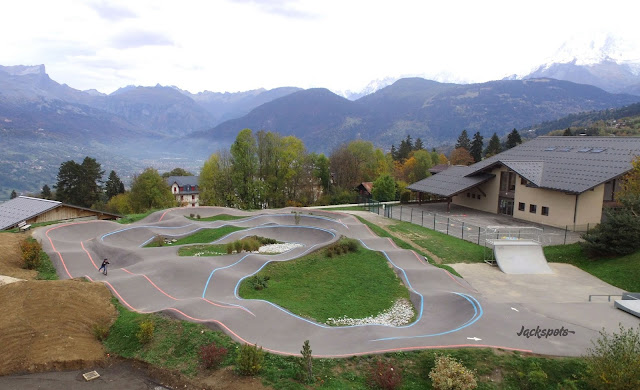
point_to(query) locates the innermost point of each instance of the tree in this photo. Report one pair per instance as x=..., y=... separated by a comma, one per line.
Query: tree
x=208, y=180
x=476, y=147
x=177, y=172
x=418, y=145
x=321, y=170
x=245, y=168
x=494, y=146
x=150, y=191
x=13, y=195
x=46, y=192
x=461, y=156
x=567, y=132
x=79, y=184
x=629, y=193
x=384, y=188
x=513, y=139
x=114, y=185
x=463, y=141
x=616, y=235
x=119, y=204
x=406, y=146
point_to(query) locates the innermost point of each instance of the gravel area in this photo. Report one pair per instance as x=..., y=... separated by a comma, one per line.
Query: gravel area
x=278, y=248
x=399, y=314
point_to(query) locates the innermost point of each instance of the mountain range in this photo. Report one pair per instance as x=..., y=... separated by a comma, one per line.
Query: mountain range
x=44, y=123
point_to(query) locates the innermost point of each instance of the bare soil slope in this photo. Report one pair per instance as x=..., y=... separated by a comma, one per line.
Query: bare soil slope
x=10, y=261
x=49, y=324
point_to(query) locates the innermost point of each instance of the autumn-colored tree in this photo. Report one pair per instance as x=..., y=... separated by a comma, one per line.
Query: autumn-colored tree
x=461, y=156
x=629, y=193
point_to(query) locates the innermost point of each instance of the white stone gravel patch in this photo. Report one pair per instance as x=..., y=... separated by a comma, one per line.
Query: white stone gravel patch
x=399, y=314
x=278, y=248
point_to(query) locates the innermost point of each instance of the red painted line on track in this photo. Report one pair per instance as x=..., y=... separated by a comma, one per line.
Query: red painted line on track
x=88, y=254
x=454, y=279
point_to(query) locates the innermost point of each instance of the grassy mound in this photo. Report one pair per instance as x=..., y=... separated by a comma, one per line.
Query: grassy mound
x=353, y=284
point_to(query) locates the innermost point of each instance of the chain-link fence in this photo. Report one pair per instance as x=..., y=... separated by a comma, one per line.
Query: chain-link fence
x=476, y=233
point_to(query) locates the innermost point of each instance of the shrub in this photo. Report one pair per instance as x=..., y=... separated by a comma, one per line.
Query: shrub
x=344, y=245
x=101, y=330
x=145, y=332
x=229, y=248
x=30, y=250
x=616, y=236
x=383, y=375
x=237, y=245
x=614, y=361
x=259, y=282
x=198, y=216
x=531, y=377
x=250, y=359
x=450, y=374
x=211, y=355
x=191, y=215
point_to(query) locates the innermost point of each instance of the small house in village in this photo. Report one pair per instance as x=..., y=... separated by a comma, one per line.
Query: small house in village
x=185, y=189
x=556, y=181
x=23, y=211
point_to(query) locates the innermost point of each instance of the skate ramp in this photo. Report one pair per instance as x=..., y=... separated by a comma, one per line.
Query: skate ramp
x=630, y=303
x=520, y=257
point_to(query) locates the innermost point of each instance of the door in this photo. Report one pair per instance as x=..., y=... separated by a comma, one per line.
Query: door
x=505, y=206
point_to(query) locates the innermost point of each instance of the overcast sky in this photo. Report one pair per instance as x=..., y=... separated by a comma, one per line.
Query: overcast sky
x=238, y=45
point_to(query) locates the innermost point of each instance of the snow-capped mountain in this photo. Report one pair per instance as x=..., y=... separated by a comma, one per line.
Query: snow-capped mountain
x=606, y=62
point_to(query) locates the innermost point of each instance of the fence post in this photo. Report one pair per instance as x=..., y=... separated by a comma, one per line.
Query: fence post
x=400, y=213
x=587, y=228
x=462, y=230
x=411, y=215
x=565, y=234
x=447, y=226
x=478, y=235
x=422, y=221
x=434, y=222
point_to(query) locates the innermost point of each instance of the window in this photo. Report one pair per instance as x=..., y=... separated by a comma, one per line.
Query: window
x=468, y=195
x=532, y=208
x=545, y=210
x=473, y=196
x=523, y=181
x=521, y=206
x=193, y=197
x=507, y=181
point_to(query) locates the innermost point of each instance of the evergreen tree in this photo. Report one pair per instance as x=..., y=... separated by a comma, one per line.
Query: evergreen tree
x=14, y=194
x=476, y=147
x=567, y=132
x=406, y=146
x=463, y=141
x=114, y=185
x=394, y=153
x=418, y=145
x=513, y=139
x=494, y=146
x=79, y=184
x=46, y=192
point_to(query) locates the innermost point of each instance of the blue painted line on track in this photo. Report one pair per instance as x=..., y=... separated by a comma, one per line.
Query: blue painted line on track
x=478, y=312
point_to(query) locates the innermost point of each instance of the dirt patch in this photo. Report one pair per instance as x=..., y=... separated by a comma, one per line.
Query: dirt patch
x=49, y=324
x=10, y=259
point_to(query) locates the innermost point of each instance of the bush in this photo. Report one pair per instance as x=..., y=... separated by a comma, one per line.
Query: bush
x=344, y=245
x=531, y=377
x=259, y=282
x=306, y=362
x=614, y=361
x=449, y=374
x=237, y=245
x=229, y=248
x=30, y=250
x=211, y=355
x=616, y=236
x=101, y=330
x=383, y=375
x=250, y=359
x=192, y=215
x=198, y=216
x=145, y=332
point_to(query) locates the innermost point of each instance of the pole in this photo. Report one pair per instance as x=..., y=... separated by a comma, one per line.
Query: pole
x=434, y=222
x=462, y=230
x=411, y=215
x=478, y=235
x=447, y=226
x=565, y=234
x=401, y=213
x=422, y=221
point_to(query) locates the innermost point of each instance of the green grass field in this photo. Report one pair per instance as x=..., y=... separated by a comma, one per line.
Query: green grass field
x=201, y=236
x=219, y=217
x=130, y=218
x=622, y=272
x=356, y=285
x=449, y=249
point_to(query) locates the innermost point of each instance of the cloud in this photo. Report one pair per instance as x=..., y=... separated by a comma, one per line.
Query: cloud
x=279, y=7
x=136, y=38
x=112, y=12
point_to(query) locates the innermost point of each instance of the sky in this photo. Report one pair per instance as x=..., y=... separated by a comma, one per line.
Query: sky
x=239, y=45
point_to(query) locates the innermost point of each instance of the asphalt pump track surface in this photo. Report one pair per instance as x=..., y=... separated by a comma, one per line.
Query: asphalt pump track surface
x=450, y=313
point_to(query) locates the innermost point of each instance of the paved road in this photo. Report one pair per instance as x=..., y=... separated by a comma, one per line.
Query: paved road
x=204, y=289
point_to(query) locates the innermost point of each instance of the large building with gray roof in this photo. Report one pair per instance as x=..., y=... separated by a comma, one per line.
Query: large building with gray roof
x=555, y=181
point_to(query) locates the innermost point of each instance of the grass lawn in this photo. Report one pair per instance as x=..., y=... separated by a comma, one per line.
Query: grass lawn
x=404, y=245
x=130, y=218
x=356, y=285
x=201, y=236
x=449, y=249
x=345, y=208
x=622, y=272
x=219, y=217
x=176, y=343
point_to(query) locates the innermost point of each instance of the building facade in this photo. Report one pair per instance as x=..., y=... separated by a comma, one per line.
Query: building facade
x=556, y=181
x=185, y=189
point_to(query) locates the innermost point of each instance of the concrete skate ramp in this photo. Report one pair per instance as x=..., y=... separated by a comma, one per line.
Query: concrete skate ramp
x=520, y=257
x=630, y=303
